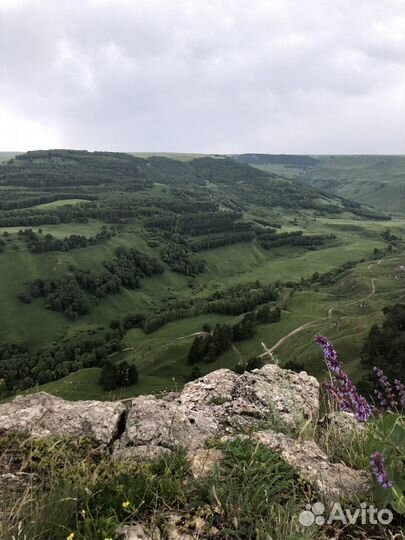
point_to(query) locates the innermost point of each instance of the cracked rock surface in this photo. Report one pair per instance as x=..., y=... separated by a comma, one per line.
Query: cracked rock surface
x=218, y=404
x=42, y=415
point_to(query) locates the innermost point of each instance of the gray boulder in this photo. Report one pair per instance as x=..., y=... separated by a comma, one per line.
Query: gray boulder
x=270, y=393
x=216, y=405
x=42, y=415
x=154, y=424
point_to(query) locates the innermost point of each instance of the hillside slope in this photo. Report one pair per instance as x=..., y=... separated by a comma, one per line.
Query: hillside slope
x=374, y=180
x=104, y=251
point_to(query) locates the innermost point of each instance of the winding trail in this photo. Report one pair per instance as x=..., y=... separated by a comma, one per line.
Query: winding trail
x=292, y=333
x=282, y=340
x=192, y=335
x=329, y=315
x=330, y=310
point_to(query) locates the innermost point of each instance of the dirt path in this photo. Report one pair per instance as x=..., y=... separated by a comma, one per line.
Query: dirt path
x=192, y=335
x=292, y=333
x=373, y=263
x=330, y=312
x=235, y=350
x=122, y=350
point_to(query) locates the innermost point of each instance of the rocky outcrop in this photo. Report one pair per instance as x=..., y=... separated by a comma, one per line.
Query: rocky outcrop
x=332, y=481
x=157, y=425
x=42, y=415
x=216, y=405
x=272, y=404
x=270, y=393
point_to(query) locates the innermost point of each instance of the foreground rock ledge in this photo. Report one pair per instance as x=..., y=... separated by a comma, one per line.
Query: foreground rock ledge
x=212, y=406
x=42, y=415
x=267, y=401
x=332, y=481
x=219, y=404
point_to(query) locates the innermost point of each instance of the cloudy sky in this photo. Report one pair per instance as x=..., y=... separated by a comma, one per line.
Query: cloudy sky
x=226, y=76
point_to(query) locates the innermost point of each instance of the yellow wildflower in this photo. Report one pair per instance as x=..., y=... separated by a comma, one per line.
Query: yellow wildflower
x=126, y=505
x=71, y=536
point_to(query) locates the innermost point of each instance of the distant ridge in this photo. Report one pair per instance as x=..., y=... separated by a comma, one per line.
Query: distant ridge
x=279, y=159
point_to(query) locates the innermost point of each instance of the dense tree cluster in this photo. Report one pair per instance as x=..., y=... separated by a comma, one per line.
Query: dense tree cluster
x=391, y=238
x=233, y=301
x=130, y=263
x=206, y=347
x=62, y=295
x=45, y=168
x=270, y=239
x=152, y=323
x=118, y=374
x=16, y=200
x=67, y=295
x=38, y=243
x=21, y=368
x=100, y=284
x=28, y=218
x=368, y=214
x=208, y=223
x=179, y=258
x=224, y=239
x=327, y=278
x=241, y=298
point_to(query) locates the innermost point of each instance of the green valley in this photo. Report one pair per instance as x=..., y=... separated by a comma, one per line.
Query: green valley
x=127, y=257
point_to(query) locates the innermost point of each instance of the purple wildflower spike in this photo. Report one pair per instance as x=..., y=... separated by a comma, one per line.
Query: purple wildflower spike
x=400, y=388
x=341, y=387
x=385, y=393
x=329, y=354
x=379, y=469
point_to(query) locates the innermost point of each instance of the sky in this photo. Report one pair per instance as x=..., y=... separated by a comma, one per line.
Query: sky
x=209, y=76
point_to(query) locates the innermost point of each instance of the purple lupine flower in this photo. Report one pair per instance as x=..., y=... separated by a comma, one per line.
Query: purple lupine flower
x=379, y=469
x=329, y=354
x=341, y=387
x=385, y=393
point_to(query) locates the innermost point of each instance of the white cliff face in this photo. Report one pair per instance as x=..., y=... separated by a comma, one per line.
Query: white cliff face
x=266, y=401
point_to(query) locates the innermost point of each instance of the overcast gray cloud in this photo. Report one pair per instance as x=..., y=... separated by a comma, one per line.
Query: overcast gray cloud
x=292, y=76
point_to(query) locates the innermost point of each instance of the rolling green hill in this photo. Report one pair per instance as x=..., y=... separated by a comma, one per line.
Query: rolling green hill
x=105, y=252
x=373, y=180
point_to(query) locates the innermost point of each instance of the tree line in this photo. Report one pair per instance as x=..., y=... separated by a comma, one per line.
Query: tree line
x=39, y=243
x=22, y=368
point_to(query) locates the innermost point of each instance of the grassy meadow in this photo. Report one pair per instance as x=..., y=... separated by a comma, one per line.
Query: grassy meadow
x=151, y=187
